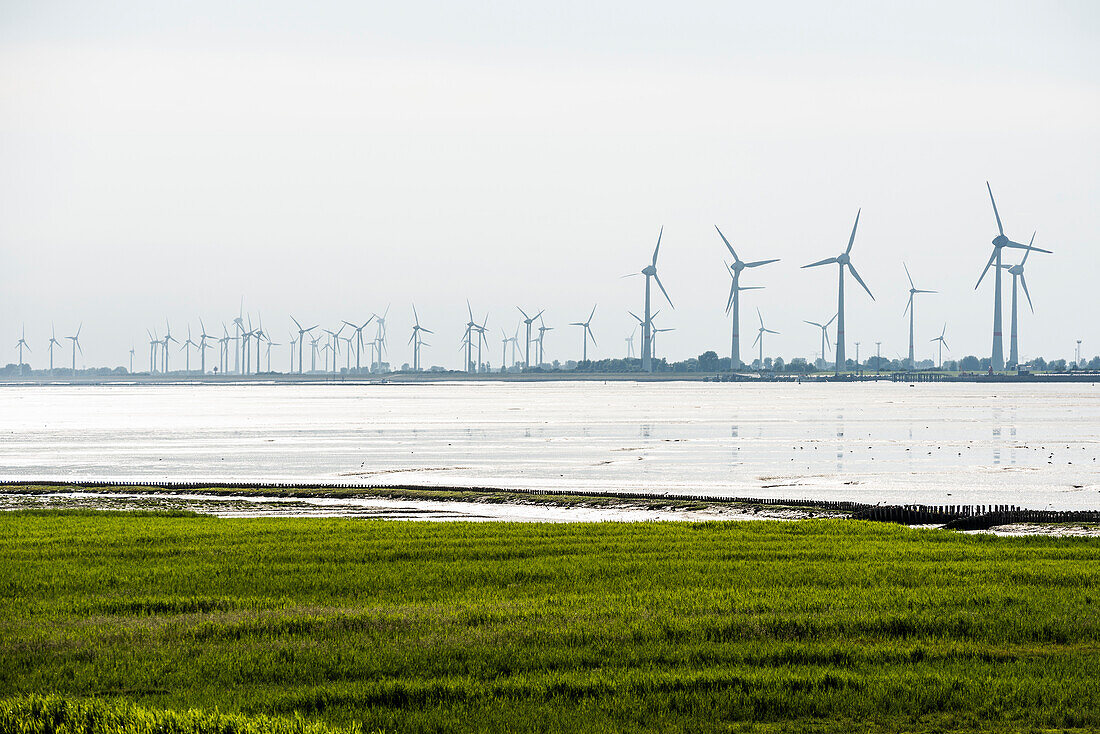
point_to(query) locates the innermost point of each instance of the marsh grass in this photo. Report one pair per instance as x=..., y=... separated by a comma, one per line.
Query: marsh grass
x=712, y=626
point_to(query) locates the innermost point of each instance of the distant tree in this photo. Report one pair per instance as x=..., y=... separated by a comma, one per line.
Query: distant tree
x=778, y=364
x=1094, y=363
x=1037, y=364
x=708, y=361
x=969, y=363
x=1058, y=365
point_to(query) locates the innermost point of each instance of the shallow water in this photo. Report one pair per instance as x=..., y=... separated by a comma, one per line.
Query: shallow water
x=1033, y=445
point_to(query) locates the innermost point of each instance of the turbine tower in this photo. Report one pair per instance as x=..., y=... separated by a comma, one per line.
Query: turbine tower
x=943, y=343
x=75, y=339
x=760, y=337
x=824, y=334
x=54, y=343
x=20, y=344
x=528, y=320
x=1017, y=273
x=416, y=339
x=911, y=309
x=734, y=302
x=842, y=260
x=650, y=271
x=997, y=359
x=586, y=332
x=301, y=342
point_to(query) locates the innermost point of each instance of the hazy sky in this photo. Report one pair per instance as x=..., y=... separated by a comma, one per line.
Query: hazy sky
x=162, y=159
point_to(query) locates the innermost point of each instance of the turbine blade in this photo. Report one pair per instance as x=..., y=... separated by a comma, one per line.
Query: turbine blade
x=759, y=316
x=635, y=316
x=907, y=275
x=662, y=287
x=591, y=315
x=728, y=245
x=525, y=313
x=1023, y=282
x=758, y=334
x=856, y=276
x=997, y=214
x=832, y=319
x=1018, y=246
x=852, y=239
x=986, y=269
x=908, y=304
x=770, y=331
x=758, y=263
x=1028, y=250
x=658, y=247
x=733, y=290
x=813, y=323
x=826, y=261
x=828, y=345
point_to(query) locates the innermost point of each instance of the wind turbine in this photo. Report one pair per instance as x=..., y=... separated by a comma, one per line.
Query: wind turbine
x=997, y=360
x=586, y=332
x=167, y=338
x=630, y=343
x=416, y=340
x=132, y=350
x=154, y=347
x=238, y=345
x=75, y=339
x=504, y=339
x=824, y=334
x=380, y=338
x=943, y=343
x=528, y=320
x=187, y=347
x=203, y=346
x=313, y=340
x=543, y=328
x=1017, y=272
x=760, y=337
x=54, y=343
x=271, y=344
x=657, y=331
x=301, y=341
x=650, y=271
x=911, y=309
x=842, y=260
x=359, y=339
x=334, y=340
x=293, y=342
x=20, y=344
x=515, y=344
x=734, y=302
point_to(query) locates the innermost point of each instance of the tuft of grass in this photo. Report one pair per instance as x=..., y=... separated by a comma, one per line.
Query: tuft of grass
x=741, y=626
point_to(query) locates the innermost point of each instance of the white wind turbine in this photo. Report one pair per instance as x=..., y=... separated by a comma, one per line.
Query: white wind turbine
x=824, y=334
x=154, y=350
x=842, y=260
x=630, y=342
x=167, y=338
x=543, y=328
x=358, y=340
x=54, y=343
x=186, y=347
x=416, y=340
x=586, y=331
x=760, y=337
x=1017, y=273
x=301, y=342
x=911, y=308
x=734, y=302
x=650, y=271
x=21, y=344
x=528, y=320
x=943, y=343
x=75, y=339
x=997, y=360
x=203, y=346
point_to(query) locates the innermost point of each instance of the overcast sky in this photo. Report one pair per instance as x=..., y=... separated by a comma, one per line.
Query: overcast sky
x=164, y=159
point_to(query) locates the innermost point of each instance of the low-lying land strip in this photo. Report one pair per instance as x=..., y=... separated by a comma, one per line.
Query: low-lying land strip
x=818, y=625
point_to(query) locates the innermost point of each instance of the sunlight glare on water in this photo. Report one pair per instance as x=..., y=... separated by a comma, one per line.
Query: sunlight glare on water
x=1033, y=445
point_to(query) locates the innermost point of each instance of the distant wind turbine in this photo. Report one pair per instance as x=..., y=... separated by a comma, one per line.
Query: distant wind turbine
x=586, y=331
x=543, y=328
x=528, y=320
x=416, y=340
x=943, y=343
x=842, y=260
x=650, y=271
x=824, y=334
x=734, y=302
x=760, y=337
x=75, y=339
x=54, y=343
x=997, y=360
x=301, y=342
x=911, y=308
x=1017, y=273
x=21, y=344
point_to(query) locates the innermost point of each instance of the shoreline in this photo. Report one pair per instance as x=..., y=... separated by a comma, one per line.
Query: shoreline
x=485, y=504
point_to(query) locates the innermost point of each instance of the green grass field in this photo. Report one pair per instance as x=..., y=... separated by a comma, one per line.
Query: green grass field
x=769, y=626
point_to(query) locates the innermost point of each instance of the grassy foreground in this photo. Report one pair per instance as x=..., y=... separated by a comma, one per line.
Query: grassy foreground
x=808, y=626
